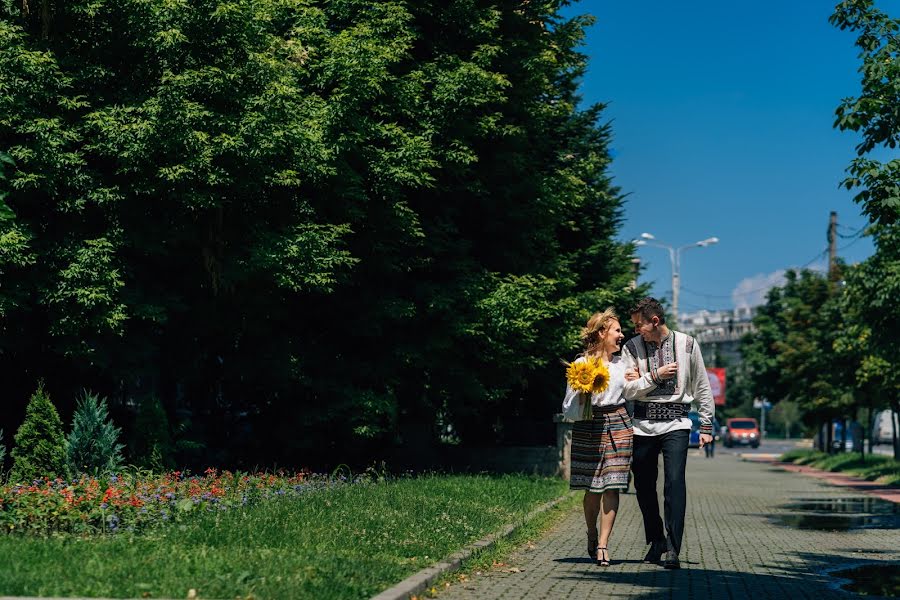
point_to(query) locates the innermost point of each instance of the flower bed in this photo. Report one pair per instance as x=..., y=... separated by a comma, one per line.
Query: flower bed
x=133, y=501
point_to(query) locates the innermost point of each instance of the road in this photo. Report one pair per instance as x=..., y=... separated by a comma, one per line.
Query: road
x=780, y=446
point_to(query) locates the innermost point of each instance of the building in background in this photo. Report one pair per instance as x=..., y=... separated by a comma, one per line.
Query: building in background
x=719, y=333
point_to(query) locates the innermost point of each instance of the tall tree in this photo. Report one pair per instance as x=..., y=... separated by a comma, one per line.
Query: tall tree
x=791, y=357
x=310, y=227
x=874, y=112
x=868, y=304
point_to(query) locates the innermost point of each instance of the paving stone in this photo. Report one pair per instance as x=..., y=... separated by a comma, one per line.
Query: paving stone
x=733, y=547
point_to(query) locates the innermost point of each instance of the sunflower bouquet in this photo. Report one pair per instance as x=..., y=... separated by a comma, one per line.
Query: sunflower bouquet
x=588, y=376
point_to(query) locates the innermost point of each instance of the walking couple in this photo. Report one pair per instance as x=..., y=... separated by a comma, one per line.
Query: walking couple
x=662, y=372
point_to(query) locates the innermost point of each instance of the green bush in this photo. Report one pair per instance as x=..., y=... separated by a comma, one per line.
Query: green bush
x=151, y=444
x=802, y=456
x=40, y=445
x=880, y=468
x=93, y=441
x=2, y=453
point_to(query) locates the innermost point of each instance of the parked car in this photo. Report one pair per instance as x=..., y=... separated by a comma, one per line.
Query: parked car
x=694, y=440
x=883, y=432
x=742, y=431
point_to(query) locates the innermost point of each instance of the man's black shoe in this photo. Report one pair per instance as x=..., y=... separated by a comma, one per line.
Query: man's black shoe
x=672, y=561
x=654, y=554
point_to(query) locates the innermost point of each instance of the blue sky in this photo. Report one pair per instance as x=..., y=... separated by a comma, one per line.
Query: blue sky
x=722, y=119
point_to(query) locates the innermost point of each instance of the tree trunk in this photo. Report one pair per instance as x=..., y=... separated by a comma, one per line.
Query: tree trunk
x=871, y=430
x=895, y=410
x=862, y=446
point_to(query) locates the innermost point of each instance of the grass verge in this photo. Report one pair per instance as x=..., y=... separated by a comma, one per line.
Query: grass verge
x=882, y=469
x=495, y=557
x=349, y=542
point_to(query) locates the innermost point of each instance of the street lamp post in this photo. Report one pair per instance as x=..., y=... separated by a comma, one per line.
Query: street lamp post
x=648, y=239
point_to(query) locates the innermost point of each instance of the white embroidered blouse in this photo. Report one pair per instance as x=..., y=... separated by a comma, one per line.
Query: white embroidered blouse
x=613, y=395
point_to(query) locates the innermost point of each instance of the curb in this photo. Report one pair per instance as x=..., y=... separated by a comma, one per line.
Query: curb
x=885, y=492
x=419, y=582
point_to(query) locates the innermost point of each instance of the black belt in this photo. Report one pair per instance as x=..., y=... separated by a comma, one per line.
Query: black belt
x=659, y=411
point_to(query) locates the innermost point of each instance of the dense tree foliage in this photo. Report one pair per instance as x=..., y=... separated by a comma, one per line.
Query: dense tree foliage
x=308, y=228
x=870, y=302
x=874, y=112
x=789, y=354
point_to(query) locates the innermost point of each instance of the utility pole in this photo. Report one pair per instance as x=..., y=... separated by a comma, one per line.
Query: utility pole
x=832, y=278
x=832, y=245
x=762, y=419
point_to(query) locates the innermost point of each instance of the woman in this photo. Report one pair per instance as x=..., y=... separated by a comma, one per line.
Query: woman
x=601, y=447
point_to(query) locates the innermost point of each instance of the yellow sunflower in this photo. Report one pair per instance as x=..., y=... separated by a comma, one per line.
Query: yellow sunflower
x=601, y=377
x=580, y=375
x=588, y=376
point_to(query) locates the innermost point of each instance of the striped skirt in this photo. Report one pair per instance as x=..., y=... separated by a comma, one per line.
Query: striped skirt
x=601, y=451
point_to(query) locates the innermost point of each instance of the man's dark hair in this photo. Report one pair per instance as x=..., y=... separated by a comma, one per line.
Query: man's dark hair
x=648, y=308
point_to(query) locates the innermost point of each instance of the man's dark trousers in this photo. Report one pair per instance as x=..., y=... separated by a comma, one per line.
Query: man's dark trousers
x=674, y=447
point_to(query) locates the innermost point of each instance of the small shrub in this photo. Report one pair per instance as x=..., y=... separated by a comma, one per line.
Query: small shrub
x=795, y=455
x=151, y=445
x=93, y=441
x=40, y=445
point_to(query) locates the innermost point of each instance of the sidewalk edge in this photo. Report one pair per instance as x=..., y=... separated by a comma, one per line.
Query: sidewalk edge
x=419, y=582
x=890, y=493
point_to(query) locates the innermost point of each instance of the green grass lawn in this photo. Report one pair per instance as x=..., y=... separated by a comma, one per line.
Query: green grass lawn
x=873, y=467
x=346, y=542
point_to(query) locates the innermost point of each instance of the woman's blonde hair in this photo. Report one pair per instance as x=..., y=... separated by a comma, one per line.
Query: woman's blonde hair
x=595, y=328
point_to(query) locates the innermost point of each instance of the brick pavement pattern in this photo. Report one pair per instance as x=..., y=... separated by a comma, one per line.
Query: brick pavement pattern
x=733, y=546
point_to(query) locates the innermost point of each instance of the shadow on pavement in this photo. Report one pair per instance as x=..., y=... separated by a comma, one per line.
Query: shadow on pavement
x=813, y=579
x=588, y=561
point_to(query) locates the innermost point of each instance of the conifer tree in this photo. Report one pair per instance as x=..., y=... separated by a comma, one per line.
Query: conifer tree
x=151, y=445
x=94, y=446
x=40, y=445
x=2, y=450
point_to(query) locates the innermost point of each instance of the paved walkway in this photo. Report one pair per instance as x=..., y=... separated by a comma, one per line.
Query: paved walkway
x=734, y=546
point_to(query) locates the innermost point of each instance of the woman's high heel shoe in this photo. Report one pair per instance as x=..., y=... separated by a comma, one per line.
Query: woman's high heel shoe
x=602, y=556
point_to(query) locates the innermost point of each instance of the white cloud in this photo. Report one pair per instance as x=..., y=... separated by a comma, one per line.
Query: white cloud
x=751, y=291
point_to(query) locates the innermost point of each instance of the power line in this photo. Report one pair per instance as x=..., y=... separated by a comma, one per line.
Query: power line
x=844, y=247
x=856, y=234
x=815, y=258
x=704, y=294
x=759, y=289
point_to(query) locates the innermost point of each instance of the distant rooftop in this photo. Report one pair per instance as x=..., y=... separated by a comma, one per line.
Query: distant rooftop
x=718, y=325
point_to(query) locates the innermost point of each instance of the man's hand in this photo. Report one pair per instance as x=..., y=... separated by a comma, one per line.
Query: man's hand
x=705, y=439
x=631, y=375
x=667, y=371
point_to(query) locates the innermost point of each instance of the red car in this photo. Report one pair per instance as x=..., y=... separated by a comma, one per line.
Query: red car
x=742, y=431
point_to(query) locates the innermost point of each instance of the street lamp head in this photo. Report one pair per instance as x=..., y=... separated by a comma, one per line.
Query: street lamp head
x=648, y=236
x=708, y=242
x=639, y=242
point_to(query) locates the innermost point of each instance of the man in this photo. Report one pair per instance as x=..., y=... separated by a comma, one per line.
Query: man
x=668, y=375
